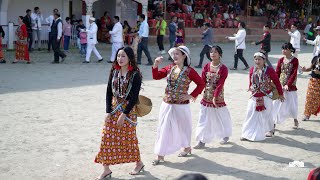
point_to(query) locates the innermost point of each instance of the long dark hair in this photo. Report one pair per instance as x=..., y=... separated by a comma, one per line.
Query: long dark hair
x=132, y=62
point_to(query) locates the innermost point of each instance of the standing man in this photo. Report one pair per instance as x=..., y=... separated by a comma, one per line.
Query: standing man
x=161, y=32
x=295, y=37
x=207, y=40
x=28, y=22
x=116, y=37
x=56, y=34
x=143, y=40
x=37, y=18
x=240, y=45
x=315, y=42
x=92, y=41
x=50, y=21
x=265, y=43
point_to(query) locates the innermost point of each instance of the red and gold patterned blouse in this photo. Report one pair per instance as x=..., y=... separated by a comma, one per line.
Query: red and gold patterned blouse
x=178, y=83
x=214, y=78
x=260, y=82
x=287, y=72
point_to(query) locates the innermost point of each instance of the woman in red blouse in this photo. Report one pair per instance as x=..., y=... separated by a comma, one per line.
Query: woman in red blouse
x=214, y=119
x=287, y=69
x=22, y=52
x=175, y=122
x=259, y=121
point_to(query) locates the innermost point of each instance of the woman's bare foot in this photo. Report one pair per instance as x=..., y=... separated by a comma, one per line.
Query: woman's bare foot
x=105, y=174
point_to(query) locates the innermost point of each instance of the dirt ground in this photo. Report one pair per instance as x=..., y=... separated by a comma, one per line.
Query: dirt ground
x=51, y=118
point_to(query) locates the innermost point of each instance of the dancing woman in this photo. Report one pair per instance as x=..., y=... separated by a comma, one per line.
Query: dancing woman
x=175, y=122
x=214, y=119
x=312, y=105
x=119, y=143
x=287, y=69
x=259, y=121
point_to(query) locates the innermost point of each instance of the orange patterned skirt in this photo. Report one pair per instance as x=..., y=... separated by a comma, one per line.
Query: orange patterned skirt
x=312, y=105
x=119, y=145
x=22, y=52
x=1, y=50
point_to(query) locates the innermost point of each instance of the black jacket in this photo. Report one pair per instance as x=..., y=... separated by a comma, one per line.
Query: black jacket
x=265, y=42
x=28, y=23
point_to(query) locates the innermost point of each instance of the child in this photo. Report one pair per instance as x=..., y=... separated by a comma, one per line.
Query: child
x=66, y=34
x=83, y=42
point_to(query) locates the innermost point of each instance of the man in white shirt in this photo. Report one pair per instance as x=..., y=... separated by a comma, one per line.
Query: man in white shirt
x=37, y=19
x=92, y=41
x=295, y=41
x=116, y=38
x=50, y=20
x=315, y=42
x=240, y=45
x=143, y=40
x=295, y=37
x=56, y=34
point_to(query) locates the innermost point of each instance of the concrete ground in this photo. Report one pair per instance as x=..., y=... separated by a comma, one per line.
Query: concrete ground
x=52, y=115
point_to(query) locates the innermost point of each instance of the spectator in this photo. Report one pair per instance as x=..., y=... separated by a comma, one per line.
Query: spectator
x=83, y=43
x=56, y=34
x=172, y=31
x=207, y=40
x=116, y=38
x=199, y=19
x=79, y=27
x=143, y=41
x=161, y=31
x=22, y=52
x=66, y=34
x=50, y=20
x=189, y=7
x=180, y=35
x=126, y=31
x=37, y=19
x=28, y=22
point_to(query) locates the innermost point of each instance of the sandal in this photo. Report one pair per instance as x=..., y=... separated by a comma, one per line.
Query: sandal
x=107, y=176
x=157, y=161
x=137, y=172
x=233, y=68
x=185, y=153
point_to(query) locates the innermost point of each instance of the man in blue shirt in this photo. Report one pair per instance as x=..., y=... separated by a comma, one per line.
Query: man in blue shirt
x=143, y=40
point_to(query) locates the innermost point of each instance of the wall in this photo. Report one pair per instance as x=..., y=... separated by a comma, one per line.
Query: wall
x=77, y=8
x=99, y=7
x=19, y=7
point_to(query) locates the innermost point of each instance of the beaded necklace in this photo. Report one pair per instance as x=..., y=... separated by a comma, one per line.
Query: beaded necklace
x=177, y=82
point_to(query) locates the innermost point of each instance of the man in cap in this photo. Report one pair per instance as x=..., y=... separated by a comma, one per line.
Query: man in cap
x=315, y=42
x=207, y=41
x=92, y=41
x=56, y=34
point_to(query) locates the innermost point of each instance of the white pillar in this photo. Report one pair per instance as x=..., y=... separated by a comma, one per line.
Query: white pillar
x=89, y=4
x=10, y=35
